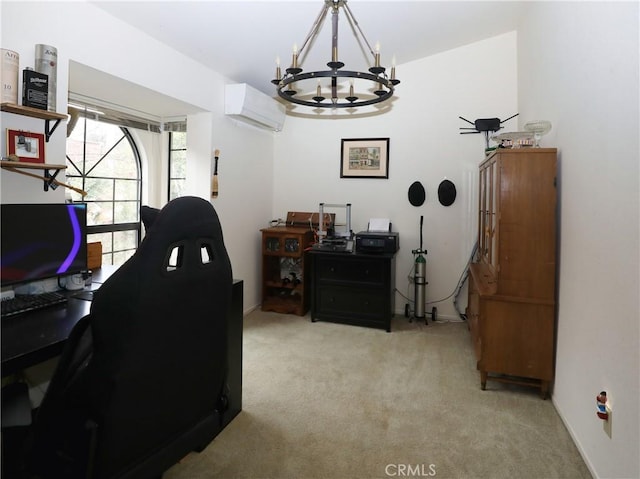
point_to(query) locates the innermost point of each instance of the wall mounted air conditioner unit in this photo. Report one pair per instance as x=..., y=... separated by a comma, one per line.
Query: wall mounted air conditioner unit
x=247, y=104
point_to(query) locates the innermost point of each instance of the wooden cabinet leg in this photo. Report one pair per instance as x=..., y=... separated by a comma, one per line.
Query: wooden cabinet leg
x=544, y=389
x=483, y=380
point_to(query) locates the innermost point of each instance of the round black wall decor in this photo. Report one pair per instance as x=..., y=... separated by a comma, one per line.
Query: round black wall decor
x=446, y=193
x=417, y=194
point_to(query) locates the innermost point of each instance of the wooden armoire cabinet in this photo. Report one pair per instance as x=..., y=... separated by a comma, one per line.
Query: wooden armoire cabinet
x=512, y=289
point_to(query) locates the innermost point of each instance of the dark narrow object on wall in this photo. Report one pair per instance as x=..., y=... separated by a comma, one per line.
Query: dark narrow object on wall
x=214, y=182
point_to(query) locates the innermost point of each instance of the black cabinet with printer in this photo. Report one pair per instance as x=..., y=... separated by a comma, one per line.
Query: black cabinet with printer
x=353, y=288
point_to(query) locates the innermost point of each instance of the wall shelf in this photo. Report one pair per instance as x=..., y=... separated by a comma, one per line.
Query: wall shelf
x=49, y=178
x=47, y=116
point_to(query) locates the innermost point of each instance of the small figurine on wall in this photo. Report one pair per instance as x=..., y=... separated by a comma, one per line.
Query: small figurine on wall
x=601, y=403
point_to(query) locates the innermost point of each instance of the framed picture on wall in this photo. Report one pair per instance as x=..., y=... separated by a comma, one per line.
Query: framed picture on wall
x=364, y=158
x=27, y=146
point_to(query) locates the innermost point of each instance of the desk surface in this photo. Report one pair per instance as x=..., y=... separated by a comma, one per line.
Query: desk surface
x=32, y=337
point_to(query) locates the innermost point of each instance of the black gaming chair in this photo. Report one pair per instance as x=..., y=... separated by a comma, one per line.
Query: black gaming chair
x=141, y=381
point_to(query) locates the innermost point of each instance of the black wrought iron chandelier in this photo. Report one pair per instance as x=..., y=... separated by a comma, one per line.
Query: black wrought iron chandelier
x=292, y=83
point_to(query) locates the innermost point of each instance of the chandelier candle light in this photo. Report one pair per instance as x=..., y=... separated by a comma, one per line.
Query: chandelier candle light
x=291, y=83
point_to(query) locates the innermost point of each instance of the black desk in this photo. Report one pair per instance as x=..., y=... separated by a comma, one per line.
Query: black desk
x=33, y=337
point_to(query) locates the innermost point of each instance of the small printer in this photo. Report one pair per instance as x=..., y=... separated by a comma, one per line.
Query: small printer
x=381, y=242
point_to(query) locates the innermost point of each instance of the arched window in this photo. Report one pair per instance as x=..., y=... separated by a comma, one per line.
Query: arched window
x=103, y=160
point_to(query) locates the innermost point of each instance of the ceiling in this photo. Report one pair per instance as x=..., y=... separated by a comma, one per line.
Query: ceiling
x=242, y=39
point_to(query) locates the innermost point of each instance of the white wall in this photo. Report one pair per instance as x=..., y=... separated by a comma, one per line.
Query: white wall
x=244, y=202
x=579, y=69
x=85, y=34
x=425, y=145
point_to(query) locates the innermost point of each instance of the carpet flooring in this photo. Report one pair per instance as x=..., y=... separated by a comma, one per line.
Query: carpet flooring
x=324, y=400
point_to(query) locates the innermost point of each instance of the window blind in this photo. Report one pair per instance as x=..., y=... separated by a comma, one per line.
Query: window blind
x=98, y=110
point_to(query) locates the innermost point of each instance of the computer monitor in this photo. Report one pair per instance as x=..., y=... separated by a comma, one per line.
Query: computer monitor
x=39, y=241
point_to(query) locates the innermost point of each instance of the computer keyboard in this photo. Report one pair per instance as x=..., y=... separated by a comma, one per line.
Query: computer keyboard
x=28, y=302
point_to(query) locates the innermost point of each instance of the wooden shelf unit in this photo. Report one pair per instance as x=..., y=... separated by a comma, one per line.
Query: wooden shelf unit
x=45, y=115
x=512, y=288
x=285, y=274
x=48, y=179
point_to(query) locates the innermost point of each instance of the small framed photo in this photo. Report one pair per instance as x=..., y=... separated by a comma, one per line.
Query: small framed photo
x=27, y=146
x=365, y=158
